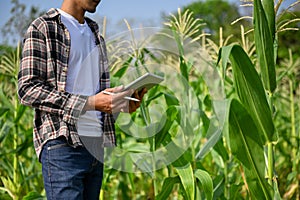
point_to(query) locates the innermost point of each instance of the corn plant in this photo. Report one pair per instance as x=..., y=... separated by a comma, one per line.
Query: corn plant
x=182, y=172
x=288, y=124
x=203, y=148
x=251, y=95
x=19, y=172
x=254, y=104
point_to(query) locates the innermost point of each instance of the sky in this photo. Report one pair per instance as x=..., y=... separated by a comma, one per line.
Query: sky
x=139, y=11
x=146, y=12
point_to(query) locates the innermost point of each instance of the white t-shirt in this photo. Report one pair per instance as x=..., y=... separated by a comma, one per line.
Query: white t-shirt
x=83, y=71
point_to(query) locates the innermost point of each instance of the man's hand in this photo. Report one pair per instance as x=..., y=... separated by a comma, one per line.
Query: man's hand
x=115, y=103
x=109, y=103
x=133, y=105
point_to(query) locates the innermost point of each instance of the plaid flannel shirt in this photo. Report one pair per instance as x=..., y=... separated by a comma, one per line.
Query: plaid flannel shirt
x=42, y=82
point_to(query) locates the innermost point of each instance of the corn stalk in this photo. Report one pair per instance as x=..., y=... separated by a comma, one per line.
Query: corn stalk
x=256, y=106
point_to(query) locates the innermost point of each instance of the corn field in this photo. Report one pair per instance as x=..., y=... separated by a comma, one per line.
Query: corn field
x=222, y=125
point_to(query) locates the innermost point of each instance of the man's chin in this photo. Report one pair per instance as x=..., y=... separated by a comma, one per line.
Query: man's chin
x=91, y=10
x=93, y=7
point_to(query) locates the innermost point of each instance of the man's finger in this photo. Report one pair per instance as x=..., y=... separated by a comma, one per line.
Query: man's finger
x=123, y=94
x=118, y=89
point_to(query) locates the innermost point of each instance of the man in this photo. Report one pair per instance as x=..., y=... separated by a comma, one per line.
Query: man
x=63, y=74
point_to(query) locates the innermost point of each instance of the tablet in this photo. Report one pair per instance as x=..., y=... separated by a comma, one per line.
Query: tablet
x=147, y=81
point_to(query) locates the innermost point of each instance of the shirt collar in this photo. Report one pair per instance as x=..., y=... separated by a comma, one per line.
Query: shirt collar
x=53, y=13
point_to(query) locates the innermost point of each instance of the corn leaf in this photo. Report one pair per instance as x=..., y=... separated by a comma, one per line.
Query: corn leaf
x=20, y=112
x=214, y=133
x=163, y=135
x=219, y=184
x=3, y=110
x=187, y=180
x=268, y=7
x=248, y=150
x=183, y=160
x=264, y=42
x=211, y=142
x=167, y=187
x=206, y=182
x=123, y=69
x=34, y=196
x=251, y=92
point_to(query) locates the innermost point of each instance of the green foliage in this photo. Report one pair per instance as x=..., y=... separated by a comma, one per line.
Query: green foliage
x=288, y=31
x=287, y=124
x=216, y=14
x=248, y=150
x=264, y=41
x=19, y=171
x=206, y=182
x=215, y=149
x=4, y=49
x=250, y=91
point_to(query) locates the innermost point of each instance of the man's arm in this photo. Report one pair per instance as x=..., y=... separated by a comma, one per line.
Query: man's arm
x=33, y=87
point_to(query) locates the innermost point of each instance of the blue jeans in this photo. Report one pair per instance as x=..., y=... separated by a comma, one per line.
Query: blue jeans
x=70, y=173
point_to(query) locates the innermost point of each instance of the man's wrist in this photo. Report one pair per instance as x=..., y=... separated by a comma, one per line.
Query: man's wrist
x=90, y=103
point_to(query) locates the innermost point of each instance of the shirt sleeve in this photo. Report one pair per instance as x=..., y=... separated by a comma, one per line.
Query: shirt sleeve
x=34, y=88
